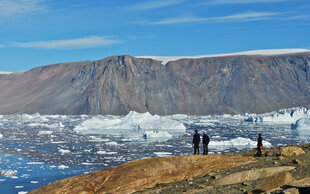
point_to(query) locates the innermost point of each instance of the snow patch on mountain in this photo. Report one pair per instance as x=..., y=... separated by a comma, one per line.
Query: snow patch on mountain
x=267, y=52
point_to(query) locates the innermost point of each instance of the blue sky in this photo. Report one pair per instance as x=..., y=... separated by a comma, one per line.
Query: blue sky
x=40, y=32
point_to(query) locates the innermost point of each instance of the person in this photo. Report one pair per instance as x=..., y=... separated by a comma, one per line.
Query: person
x=205, y=141
x=196, y=140
x=259, y=145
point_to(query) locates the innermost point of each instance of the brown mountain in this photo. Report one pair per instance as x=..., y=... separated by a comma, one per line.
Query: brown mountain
x=118, y=84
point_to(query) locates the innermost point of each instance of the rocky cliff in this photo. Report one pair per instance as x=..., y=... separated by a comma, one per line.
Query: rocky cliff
x=118, y=84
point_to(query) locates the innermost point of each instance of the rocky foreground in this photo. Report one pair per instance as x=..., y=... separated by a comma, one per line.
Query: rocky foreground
x=280, y=170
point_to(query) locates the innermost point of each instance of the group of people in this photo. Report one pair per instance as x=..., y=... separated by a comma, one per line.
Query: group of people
x=206, y=140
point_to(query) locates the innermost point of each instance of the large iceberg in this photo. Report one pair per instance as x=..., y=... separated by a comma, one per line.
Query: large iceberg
x=133, y=125
x=285, y=116
x=302, y=126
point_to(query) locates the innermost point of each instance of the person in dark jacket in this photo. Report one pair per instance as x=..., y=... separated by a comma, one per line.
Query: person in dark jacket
x=196, y=140
x=205, y=141
x=259, y=145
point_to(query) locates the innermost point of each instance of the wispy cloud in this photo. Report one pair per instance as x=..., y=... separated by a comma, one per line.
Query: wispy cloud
x=79, y=43
x=155, y=4
x=19, y=7
x=223, y=2
x=1, y=46
x=240, y=17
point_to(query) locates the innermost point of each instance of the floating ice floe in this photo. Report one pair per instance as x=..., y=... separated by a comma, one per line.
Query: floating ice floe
x=132, y=126
x=237, y=142
x=45, y=132
x=63, y=151
x=302, y=126
x=8, y=173
x=163, y=154
x=284, y=116
x=62, y=166
x=1, y=136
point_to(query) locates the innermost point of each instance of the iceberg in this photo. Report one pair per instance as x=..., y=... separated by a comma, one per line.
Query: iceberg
x=237, y=142
x=8, y=173
x=302, y=126
x=134, y=125
x=283, y=116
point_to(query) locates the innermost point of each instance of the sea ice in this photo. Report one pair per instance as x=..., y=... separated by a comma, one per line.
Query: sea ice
x=163, y=154
x=63, y=151
x=1, y=136
x=45, y=132
x=62, y=166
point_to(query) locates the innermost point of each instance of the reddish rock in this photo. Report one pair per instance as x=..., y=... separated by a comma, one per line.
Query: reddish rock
x=145, y=173
x=291, y=151
x=275, y=181
x=250, y=175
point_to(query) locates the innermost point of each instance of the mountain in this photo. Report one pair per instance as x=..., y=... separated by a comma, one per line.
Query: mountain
x=252, y=82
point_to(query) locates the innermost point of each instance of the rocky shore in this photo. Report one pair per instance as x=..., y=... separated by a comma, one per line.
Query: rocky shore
x=279, y=170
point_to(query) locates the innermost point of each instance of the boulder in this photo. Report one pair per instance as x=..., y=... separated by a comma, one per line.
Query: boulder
x=146, y=173
x=291, y=151
x=305, y=182
x=250, y=175
x=291, y=191
x=274, y=181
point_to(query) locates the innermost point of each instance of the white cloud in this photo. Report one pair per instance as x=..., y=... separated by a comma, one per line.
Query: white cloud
x=18, y=7
x=240, y=17
x=155, y=4
x=223, y=2
x=79, y=43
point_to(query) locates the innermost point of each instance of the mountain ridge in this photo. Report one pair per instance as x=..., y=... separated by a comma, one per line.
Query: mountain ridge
x=119, y=84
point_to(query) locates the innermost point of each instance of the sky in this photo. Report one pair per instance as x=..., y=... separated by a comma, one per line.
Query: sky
x=41, y=32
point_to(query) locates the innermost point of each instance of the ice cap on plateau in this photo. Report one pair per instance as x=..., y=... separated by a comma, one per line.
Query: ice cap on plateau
x=5, y=72
x=165, y=59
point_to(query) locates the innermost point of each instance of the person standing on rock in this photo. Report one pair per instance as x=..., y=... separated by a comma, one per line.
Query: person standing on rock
x=196, y=140
x=259, y=145
x=205, y=141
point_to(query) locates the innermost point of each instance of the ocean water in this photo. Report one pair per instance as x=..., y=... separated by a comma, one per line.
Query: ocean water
x=40, y=149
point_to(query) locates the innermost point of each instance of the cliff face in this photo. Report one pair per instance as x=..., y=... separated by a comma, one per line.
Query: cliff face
x=118, y=84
